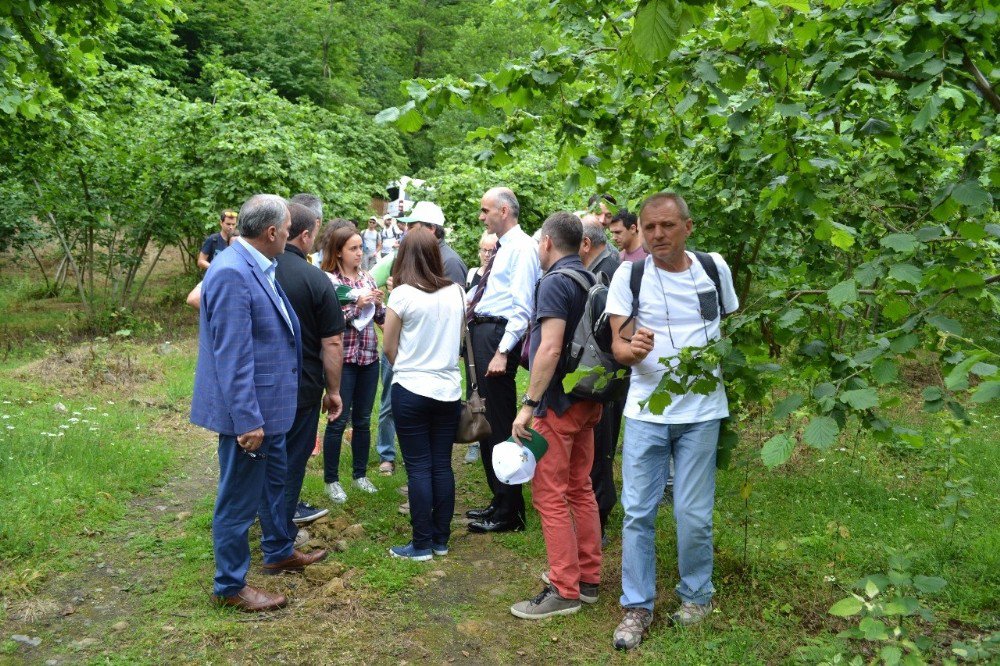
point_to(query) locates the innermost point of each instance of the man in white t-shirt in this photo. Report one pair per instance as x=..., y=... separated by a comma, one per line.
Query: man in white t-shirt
x=371, y=244
x=678, y=307
x=389, y=235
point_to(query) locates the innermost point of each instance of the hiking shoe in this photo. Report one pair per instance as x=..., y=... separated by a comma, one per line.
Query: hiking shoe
x=546, y=604
x=408, y=552
x=387, y=468
x=364, y=484
x=472, y=455
x=633, y=627
x=588, y=591
x=439, y=548
x=404, y=509
x=689, y=614
x=307, y=513
x=301, y=538
x=336, y=492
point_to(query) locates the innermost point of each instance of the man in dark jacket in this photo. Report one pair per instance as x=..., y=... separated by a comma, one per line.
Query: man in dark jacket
x=315, y=303
x=595, y=253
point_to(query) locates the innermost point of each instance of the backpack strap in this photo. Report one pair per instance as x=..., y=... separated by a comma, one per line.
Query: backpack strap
x=634, y=283
x=576, y=276
x=708, y=263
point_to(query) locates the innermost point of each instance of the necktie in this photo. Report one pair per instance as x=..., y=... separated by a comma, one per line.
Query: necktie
x=481, y=287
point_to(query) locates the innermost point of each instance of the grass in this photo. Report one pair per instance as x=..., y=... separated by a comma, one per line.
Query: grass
x=120, y=518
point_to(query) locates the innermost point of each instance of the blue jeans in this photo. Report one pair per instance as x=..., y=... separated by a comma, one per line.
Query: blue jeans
x=646, y=450
x=427, y=430
x=386, y=442
x=248, y=488
x=299, y=443
x=358, y=384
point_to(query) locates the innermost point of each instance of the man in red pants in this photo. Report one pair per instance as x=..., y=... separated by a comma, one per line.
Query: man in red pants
x=561, y=489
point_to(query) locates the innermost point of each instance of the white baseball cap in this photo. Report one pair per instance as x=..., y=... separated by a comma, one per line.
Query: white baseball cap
x=513, y=463
x=426, y=212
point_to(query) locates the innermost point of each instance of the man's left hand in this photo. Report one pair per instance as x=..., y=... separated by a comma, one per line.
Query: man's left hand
x=332, y=405
x=522, y=423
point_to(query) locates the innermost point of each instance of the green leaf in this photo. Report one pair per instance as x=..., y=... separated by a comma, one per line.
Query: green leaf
x=777, y=450
x=799, y=5
x=821, y=432
x=987, y=391
x=763, y=24
x=983, y=369
x=906, y=273
x=656, y=28
x=846, y=607
x=905, y=243
x=385, y=116
x=544, y=78
x=929, y=584
x=789, y=110
x=685, y=104
x=927, y=114
x=904, y=343
x=842, y=236
x=844, y=292
x=790, y=317
x=787, y=406
x=932, y=393
x=971, y=193
x=945, y=324
x=860, y=398
x=884, y=371
x=410, y=121
x=891, y=655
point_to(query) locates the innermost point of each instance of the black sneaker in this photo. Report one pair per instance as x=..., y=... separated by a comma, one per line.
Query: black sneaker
x=306, y=513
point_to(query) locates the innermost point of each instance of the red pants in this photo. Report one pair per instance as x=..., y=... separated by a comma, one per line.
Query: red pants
x=562, y=495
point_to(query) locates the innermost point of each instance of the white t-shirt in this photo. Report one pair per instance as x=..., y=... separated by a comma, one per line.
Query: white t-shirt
x=369, y=240
x=685, y=296
x=427, y=358
x=390, y=238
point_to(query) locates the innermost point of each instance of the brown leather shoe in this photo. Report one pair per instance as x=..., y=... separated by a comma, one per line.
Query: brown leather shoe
x=295, y=563
x=252, y=600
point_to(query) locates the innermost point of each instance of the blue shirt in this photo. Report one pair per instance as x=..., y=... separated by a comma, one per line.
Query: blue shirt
x=268, y=266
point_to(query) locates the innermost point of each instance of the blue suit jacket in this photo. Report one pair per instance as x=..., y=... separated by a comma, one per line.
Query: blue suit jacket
x=249, y=358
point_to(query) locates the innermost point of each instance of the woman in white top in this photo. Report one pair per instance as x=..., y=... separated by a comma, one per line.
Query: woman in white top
x=424, y=320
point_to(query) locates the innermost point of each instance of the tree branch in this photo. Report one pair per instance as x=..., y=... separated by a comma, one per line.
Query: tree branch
x=981, y=83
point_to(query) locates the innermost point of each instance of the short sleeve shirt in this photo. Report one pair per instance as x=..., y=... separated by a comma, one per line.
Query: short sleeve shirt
x=429, y=340
x=682, y=310
x=213, y=245
x=559, y=297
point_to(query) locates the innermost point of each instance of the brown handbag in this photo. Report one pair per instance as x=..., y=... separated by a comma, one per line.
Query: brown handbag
x=472, y=423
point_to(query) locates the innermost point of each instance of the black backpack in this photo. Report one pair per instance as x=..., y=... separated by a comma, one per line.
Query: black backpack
x=635, y=281
x=590, y=346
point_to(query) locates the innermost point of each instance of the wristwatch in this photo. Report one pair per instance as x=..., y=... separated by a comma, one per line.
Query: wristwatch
x=528, y=402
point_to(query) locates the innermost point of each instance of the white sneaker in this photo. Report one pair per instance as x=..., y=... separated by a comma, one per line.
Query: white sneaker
x=301, y=538
x=364, y=484
x=336, y=492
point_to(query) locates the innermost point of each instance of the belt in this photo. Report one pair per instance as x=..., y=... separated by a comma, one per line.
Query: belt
x=487, y=319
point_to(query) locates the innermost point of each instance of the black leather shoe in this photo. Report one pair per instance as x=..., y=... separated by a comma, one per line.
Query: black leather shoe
x=480, y=514
x=486, y=525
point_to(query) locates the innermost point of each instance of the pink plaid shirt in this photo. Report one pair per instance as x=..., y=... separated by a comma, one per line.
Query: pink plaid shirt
x=360, y=347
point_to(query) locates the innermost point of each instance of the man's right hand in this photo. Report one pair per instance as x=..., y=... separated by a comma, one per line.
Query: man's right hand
x=251, y=441
x=642, y=344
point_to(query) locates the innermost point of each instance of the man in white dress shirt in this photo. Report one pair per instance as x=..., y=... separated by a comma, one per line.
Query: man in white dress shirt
x=498, y=312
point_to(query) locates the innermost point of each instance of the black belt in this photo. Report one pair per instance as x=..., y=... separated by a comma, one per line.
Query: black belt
x=487, y=319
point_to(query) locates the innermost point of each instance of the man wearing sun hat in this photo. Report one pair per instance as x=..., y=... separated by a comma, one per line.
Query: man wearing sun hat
x=561, y=490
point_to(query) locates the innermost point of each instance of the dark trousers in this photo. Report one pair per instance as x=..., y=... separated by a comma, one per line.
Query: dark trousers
x=248, y=488
x=501, y=407
x=358, y=384
x=602, y=474
x=426, y=430
x=299, y=443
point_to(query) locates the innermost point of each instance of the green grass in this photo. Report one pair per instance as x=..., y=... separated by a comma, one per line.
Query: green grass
x=784, y=555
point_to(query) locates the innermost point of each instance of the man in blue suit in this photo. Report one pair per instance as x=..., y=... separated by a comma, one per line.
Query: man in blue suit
x=249, y=359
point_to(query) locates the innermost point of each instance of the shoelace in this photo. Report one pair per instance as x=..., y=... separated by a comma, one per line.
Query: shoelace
x=546, y=591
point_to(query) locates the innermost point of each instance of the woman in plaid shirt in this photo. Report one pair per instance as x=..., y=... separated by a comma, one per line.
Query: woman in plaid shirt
x=359, y=380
